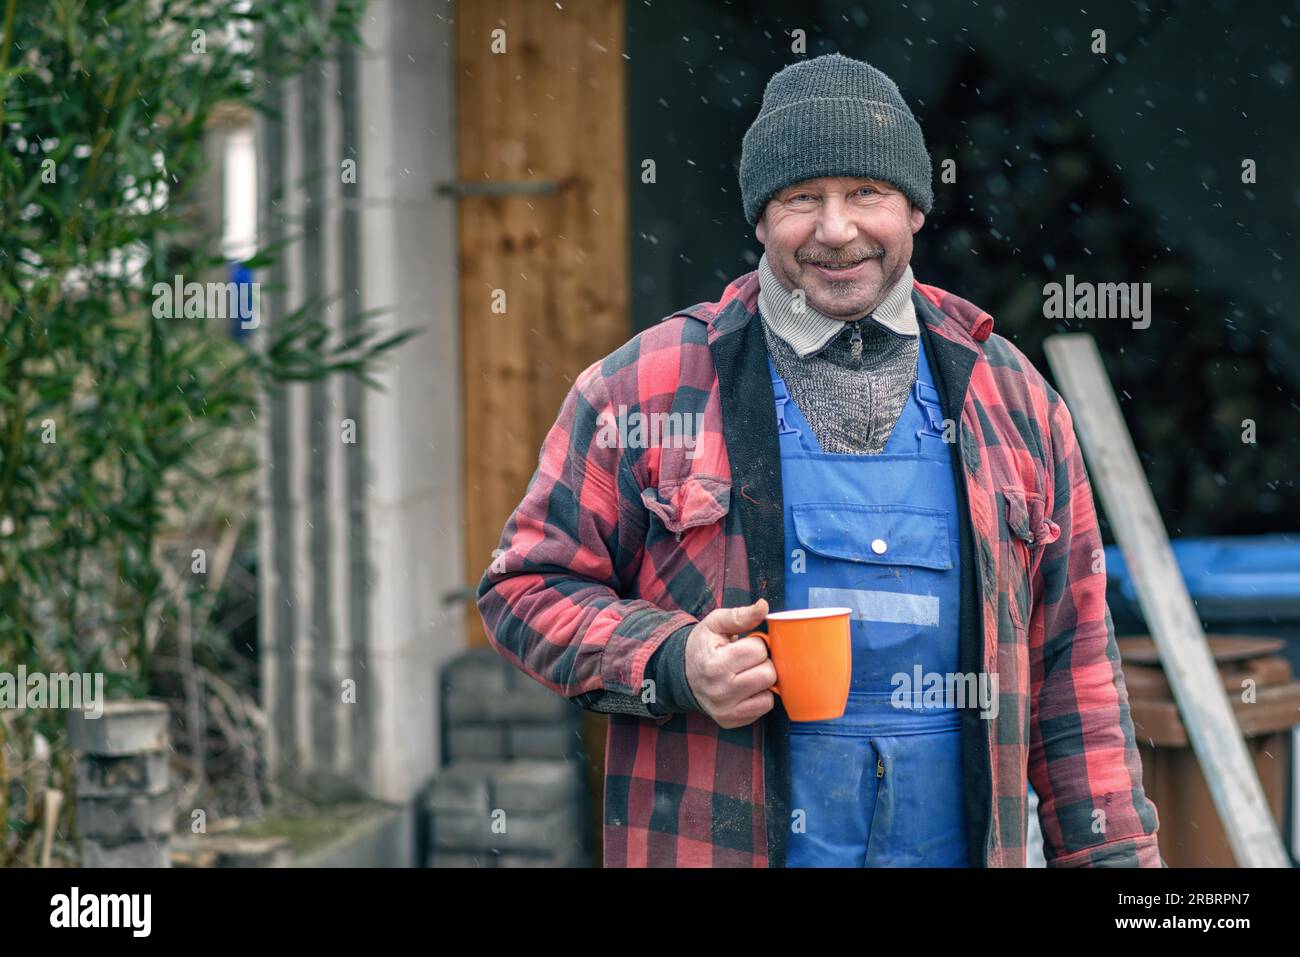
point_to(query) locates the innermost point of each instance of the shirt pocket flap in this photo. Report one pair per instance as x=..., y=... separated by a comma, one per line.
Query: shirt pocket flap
x=875, y=534
x=689, y=502
x=1027, y=518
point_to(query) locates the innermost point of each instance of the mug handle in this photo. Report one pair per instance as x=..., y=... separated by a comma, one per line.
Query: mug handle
x=767, y=641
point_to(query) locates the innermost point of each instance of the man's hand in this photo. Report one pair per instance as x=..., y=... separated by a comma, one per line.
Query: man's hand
x=729, y=675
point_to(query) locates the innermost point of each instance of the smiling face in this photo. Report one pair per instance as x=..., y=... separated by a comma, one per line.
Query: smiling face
x=844, y=241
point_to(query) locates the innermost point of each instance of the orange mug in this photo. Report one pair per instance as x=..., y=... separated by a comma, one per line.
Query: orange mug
x=812, y=652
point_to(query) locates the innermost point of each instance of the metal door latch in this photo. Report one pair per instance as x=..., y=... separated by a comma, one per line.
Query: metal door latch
x=458, y=188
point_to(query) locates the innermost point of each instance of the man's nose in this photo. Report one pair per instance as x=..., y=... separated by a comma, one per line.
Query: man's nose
x=835, y=227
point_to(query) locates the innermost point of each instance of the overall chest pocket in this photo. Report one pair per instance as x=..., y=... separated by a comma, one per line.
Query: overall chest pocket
x=875, y=534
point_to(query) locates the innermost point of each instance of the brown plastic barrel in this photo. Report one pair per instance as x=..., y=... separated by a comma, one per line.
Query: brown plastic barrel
x=1191, y=834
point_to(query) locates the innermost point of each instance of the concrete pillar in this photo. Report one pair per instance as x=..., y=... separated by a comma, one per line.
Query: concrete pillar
x=360, y=541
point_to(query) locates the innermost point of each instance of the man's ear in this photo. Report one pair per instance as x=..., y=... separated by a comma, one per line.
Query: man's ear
x=760, y=228
x=918, y=219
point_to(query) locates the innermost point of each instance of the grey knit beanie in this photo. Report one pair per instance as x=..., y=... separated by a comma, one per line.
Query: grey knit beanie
x=832, y=116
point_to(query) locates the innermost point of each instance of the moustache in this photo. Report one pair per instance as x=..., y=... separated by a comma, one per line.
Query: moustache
x=840, y=256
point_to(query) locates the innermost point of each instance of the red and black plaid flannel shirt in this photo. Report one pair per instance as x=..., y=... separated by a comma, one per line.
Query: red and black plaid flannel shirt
x=614, y=549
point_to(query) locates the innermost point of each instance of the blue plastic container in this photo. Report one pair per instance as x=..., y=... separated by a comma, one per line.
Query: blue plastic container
x=1240, y=585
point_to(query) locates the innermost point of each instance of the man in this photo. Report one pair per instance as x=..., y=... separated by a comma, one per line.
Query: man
x=838, y=434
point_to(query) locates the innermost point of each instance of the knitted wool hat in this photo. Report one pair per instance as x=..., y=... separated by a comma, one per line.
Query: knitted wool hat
x=832, y=116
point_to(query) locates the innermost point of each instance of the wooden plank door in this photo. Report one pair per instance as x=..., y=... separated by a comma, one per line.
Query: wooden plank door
x=543, y=230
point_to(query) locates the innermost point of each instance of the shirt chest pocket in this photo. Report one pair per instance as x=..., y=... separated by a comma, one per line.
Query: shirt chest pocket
x=1028, y=529
x=1026, y=516
x=691, y=502
x=875, y=534
x=685, y=561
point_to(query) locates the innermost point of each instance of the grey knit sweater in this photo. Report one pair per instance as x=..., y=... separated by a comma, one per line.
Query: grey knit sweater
x=851, y=393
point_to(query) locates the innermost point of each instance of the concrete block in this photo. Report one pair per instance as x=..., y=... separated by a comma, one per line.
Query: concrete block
x=125, y=727
x=498, y=830
x=442, y=858
x=100, y=775
x=529, y=703
x=462, y=786
x=128, y=817
x=571, y=857
x=532, y=786
x=463, y=830
x=479, y=671
x=557, y=741
x=480, y=685
x=527, y=786
x=477, y=741
x=136, y=854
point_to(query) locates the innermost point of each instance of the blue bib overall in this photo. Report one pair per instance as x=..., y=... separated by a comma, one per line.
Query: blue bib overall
x=880, y=786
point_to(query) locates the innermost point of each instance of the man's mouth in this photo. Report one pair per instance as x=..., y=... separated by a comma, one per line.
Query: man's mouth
x=839, y=269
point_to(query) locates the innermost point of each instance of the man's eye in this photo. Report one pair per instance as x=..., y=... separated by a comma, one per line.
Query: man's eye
x=800, y=197
x=869, y=189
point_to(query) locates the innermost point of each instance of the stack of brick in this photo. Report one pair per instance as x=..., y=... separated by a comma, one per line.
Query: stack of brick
x=511, y=793
x=124, y=799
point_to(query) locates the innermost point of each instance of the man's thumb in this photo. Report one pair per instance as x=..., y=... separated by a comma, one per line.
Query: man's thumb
x=738, y=621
